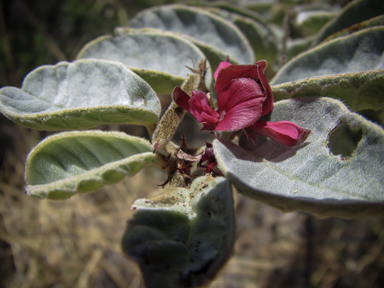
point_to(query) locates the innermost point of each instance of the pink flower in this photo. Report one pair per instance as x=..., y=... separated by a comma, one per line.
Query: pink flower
x=243, y=96
x=285, y=132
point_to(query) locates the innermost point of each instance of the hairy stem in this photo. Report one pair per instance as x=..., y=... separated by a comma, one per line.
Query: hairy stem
x=173, y=116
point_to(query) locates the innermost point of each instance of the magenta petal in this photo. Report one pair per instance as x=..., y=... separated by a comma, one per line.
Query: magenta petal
x=202, y=111
x=239, y=71
x=221, y=66
x=284, y=132
x=210, y=167
x=235, y=72
x=268, y=103
x=181, y=98
x=208, y=126
x=202, y=98
x=240, y=104
x=238, y=91
x=198, y=105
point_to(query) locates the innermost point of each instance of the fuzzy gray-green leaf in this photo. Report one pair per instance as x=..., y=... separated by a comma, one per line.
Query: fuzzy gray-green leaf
x=309, y=177
x=239, y=10
x=158, y=57
x=83, y=161
x=297, y=46
x=80, y=95
x=360, y=51
x=353, y=13
x=373, y=22
x=213, y=55
x=359, y=91
x=182, y=237
x=198, y=24
x=263, y=41
x=309, y=22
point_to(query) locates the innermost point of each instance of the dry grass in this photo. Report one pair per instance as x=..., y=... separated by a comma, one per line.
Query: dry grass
x=73, y=243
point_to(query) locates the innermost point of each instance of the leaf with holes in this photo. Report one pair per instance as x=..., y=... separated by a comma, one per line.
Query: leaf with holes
x=71, y=162
x=199, y=24
x=158, y=57
x=310, y=177
x=80, y=95
x=183, y=237
x=360, y=51
x=362, y=90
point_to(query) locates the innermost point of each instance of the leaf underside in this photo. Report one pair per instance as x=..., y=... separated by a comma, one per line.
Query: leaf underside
x=309, y=177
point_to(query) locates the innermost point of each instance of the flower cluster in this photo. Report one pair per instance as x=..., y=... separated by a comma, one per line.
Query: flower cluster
x=243, y=96
x=208, y=157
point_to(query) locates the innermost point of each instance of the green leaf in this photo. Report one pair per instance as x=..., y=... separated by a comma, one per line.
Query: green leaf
x=199, y=24
x=258, y=33
x=80, y=95
x=353, y=13
x=297, y=46
x=212, y=54
x=309, y=22
x=360, y=51
x=309, y=177
x=83, y=161
x=158, y=57
x=261, y=7
x=373, y=22
x=230, y=8
x=261, y=38
x=182, y=237
x=362, y=90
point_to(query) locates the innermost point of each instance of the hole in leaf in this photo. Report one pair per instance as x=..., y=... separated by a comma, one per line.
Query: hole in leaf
x=343, y=140
x=376, y=116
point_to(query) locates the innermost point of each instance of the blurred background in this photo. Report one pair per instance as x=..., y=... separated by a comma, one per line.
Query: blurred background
x=76, y=243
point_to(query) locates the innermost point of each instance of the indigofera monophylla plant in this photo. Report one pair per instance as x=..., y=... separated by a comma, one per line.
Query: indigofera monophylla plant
x=272, y=140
